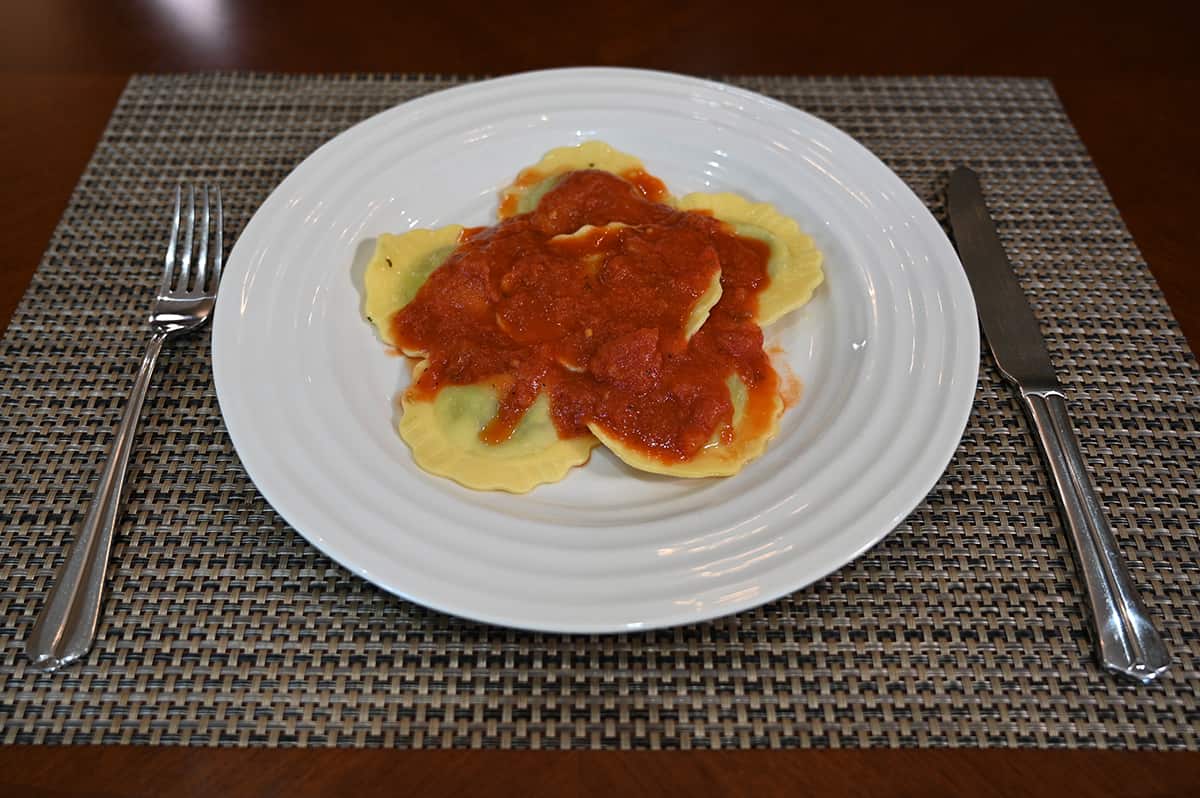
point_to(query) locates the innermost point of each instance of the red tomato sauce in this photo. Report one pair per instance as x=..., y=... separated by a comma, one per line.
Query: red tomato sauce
x=596, y=319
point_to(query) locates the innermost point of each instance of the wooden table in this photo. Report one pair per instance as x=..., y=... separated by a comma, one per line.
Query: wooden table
x=1127, y=76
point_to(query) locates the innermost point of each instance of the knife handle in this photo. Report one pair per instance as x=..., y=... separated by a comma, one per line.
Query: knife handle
x=1127, y=641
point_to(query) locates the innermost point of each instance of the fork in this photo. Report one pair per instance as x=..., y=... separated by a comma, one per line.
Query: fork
x=67, y=624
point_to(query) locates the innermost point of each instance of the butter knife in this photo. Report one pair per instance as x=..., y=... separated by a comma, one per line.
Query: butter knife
x=1127, y=642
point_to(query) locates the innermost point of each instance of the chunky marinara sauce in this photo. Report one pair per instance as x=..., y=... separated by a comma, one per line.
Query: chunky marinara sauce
x=596, y=317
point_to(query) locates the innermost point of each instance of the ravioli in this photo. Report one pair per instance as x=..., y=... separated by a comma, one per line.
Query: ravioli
x=398, y=268
x=444, y=435
x=577, y=300
x=726, y=453
x=794, y=267
x=524, y=193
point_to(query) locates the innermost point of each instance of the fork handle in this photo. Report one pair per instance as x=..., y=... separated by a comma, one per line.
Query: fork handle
x=1127, y=642
x=66, y=626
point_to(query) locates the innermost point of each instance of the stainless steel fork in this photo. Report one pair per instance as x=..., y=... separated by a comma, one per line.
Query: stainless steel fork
x=66, y=626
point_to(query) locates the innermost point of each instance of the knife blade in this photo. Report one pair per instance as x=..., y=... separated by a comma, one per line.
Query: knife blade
x=1127, y=642
x=1009, y=325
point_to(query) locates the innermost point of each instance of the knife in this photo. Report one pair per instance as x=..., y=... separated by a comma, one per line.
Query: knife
x=1127, y=642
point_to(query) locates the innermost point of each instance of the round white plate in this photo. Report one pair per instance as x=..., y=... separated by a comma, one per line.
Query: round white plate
x=887, y=353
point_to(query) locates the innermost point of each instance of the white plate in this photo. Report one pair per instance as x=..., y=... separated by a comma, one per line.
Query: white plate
x=887, y=352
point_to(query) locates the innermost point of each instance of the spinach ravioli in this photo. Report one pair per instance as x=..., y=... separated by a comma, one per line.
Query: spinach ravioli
x=444, y=435
x=398, y=268
x=794, y=268
x=741, y=440
x=527, y=190
x=563, y=327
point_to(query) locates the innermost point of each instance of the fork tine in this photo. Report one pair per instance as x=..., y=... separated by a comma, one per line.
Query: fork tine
x=185, y=262
x=219, y=255
x=202, y=257
x=169, y=266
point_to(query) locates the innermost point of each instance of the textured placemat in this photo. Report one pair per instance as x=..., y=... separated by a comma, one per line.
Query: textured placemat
x=224, y=627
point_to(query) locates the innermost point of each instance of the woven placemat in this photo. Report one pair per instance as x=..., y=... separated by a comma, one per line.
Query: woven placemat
x=224, y=627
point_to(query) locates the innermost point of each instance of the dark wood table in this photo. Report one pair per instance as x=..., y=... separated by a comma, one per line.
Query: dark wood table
x=1127, y=75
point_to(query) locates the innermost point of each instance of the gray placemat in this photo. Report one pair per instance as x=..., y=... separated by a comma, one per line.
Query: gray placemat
x=224, y=627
